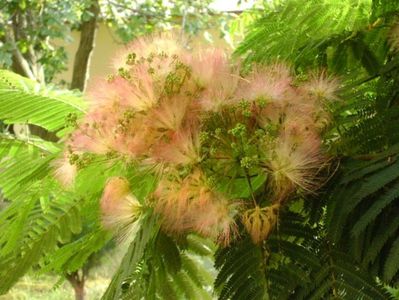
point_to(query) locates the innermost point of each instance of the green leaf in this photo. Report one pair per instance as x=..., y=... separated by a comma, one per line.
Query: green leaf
x=25, y=101
x=133, y=256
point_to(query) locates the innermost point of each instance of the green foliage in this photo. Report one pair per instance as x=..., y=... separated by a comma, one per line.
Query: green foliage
x=241, y=271
x=300, y=31
x=41, y=218
x=29, y=28
x=24, y=101
x=357, y=213
x=132, y=258
x=135, y=19
x=34, y=230
x=157, y=267
x=362, y=213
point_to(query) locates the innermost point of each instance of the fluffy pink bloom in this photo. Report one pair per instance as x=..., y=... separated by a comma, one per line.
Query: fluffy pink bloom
x=149, y=46
x=120, y=209
x=82, y=141
x=163, y=97
x=96, y=132
x=136, y=143
x=295, y=165
x=321, y=86
x=175, y=199
x=171, y=113
x=271, y=83
x=216, y=220
x=183, y=148
x=215, y=76
x=299, y=130
x=190, y=205
x=145, y=91
x=109, y=93
x=64, y=172
x=271, y=114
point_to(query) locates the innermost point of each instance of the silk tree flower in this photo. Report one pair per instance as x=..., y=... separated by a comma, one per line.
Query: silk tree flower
x=215, y=76
x=100, y=94
x=64, y=171
x=189, y=204
x=120, y=209
x=270, y=83
x=183, y=148
x=96, y=133
x=321, y=86
x=294, y=166
x=216, y=220
x=149, y=46
x=259, y=222
x=171, y=113
x=177, y=200
x=188, y=117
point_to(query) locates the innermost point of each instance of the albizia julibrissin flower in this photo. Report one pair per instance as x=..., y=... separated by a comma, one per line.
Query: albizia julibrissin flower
x=191, y=204
x=64, y=171
x=120, y=210
x=260, y=222
x=189, y=118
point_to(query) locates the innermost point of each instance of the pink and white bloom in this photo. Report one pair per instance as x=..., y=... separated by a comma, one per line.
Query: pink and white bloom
x=120, y=209
x=64, y=171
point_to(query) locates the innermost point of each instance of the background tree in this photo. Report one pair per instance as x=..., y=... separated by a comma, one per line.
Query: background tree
x=29, y=30
x=27, y=34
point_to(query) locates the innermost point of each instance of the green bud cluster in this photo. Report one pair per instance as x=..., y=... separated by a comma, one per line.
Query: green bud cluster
x=71, y=120
x=239, y=130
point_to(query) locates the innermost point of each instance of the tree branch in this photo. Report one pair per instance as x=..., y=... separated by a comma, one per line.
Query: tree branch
x=20, y=64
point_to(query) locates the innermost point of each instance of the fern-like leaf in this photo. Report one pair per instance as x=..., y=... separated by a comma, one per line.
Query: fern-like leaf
x=25, y=101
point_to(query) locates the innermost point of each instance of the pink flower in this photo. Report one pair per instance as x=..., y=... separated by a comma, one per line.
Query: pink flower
x=96, y=132
x=175, y=199
x=215, y=77
x=271, y=84
x=321, y=86
x=109, y=93
x=182, y=149
x=170, y=114
x=294, y=165
x=64, y=172
x=120, y=209
x=145, y=90
x=188, y=204
x=216, y=220
x=152, y=111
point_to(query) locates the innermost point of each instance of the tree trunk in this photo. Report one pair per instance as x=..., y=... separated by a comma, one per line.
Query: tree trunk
x=86, y=45
x=78, y=284
x=79, y=292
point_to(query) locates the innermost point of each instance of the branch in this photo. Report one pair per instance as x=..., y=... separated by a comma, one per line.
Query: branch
x=136, y=12
x=21, y=65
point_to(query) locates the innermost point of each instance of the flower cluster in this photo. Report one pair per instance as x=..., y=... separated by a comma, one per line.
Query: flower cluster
x=193, y=120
